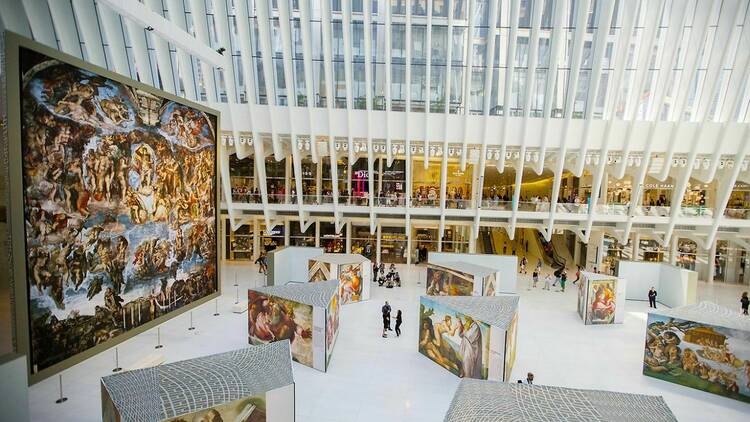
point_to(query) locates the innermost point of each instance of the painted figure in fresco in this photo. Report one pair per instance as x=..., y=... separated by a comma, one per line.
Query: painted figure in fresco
x=272, y=321
x=603, y=304
x=431, y=342
x=471, y=347
x=437, y=285
x=350, y=287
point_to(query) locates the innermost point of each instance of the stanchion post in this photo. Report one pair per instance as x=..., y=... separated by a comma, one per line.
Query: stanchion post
x=158, y=339
x=62, y=398
x=235, y=280
x=117, y=361
x=191, y=322
x=216, y=307
x=237, y=295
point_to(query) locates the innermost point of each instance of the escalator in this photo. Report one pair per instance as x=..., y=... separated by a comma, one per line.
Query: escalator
x=551, y=257
x=487, y=246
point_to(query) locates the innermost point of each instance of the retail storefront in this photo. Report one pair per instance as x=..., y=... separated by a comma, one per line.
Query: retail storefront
x=241, y=173
x=331, y=241
x=272, y=239
x=393, y=245
x=363, y=242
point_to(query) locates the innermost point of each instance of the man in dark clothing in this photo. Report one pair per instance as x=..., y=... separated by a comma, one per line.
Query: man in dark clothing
x=652, y=298
x=386, y=309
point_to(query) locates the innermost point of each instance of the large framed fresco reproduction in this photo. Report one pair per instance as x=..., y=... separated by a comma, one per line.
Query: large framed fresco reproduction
x=698, y=355
x=113, y=205
x=601, y=302
x=272, y=318
x=453, y=340
x=446, y=282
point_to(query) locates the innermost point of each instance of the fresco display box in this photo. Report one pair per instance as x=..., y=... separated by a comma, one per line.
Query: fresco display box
x=353, y=271
x=253, y=384
x=703, y=346
x=601, y=299
x=306, y=314
x=477, y=400
x=505, y=265
x=113, y=205
x=461, y=279
x=471, y=337
x=289, y=263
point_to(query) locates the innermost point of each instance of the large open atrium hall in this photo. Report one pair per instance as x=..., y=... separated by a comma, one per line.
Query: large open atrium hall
x=374, y=210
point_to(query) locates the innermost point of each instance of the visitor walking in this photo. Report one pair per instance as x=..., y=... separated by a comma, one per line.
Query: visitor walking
x=547, y=281
x=523, y=265
x=398, y=323
x=530, y=378
x=539, y=265
x=262, y=263
x=744, y=301
x=535, y=277
x=563, y=279
x=578, y=274
x=652, y=298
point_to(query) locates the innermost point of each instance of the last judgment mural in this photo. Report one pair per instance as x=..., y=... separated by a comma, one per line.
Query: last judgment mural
x=119, y=203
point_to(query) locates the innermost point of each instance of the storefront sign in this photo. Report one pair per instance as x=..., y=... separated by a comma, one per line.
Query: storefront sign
x=658, y=186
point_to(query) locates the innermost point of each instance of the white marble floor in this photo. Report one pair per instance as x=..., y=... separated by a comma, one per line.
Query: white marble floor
x=377, y=379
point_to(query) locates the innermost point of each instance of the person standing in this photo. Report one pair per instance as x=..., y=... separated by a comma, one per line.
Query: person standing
x=652, y=298
x=530, y=378
x=523, y=266
x=535, y=277
x=563, y=279
x=398, y=323
x=387, y=316
x=745, y=302
x=578, y=274
x=547, y=281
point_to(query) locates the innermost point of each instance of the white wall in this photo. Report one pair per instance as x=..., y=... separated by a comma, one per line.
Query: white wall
x=319, y=338
x=507, y=266
x=675, y=286
x=14, y=389
x=641, y=277
x=290, y=264
x=280, y=404
x=496, y=360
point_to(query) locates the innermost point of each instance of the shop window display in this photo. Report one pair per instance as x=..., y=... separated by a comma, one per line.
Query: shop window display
x=299, y=238
x=242, y=176
x=273, y=238
x=276, y=180
x=363, y=242
x=239, y=243
x=119, y=206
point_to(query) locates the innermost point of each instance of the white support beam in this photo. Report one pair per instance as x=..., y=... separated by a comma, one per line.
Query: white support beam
x=557, y=42
x=112, y=28
x=37, y=12
x=600, y=41
x=508, y=84
x=137, y=36
x=330, y=94
x=468, y=71
x=718, y=55
x=536, y=22
x=140, y=14
x=62, y=17
x=12, y=18
x=428, y=76
x=346, y=13
x=88, y=27
x=184, y=62
x=447, y=96
x=368, y=97
x=388, y=73
x=620, y=56
x=306, y=28
x=581, y=12
x=651, y=12
x=286, y=41
x=488, y=75
x=734, y=95
x=698, y=33
x=163, y=61
x=264, y=33
x=248, y=72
